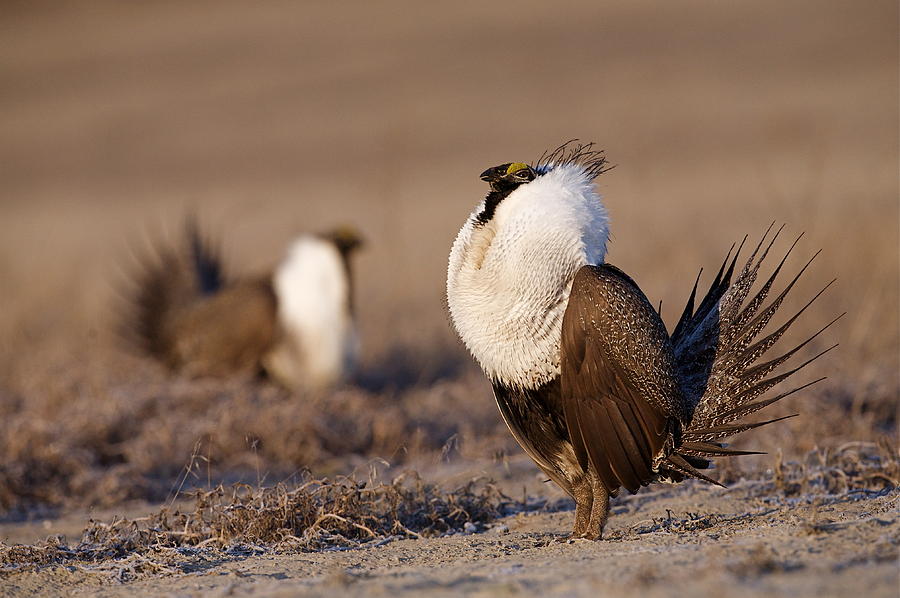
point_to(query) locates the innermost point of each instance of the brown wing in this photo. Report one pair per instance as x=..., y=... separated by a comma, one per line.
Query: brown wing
x=186, y=314
x=620, y=393
x=226, y=333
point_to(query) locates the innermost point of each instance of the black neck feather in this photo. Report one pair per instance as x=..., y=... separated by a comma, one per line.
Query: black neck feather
x=491, y=202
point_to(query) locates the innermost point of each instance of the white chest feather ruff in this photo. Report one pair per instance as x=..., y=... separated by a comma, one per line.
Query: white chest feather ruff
x=318, y=345
x=508, y=280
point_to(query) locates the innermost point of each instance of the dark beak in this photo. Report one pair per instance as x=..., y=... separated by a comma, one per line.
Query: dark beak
x=494, y=174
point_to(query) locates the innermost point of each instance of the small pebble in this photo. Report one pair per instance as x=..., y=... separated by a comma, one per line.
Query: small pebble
x=470, y=528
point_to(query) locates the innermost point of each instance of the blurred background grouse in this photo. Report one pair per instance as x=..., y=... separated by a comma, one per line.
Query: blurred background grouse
x=294, y=324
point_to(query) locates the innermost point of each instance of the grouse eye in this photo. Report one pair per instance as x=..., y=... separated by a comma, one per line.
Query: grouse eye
x=525, y=174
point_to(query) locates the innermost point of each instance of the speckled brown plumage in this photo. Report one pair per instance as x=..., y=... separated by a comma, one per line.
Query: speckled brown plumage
x=187, y=314
x=620, y=390
x=634, y=405
x=585, y=374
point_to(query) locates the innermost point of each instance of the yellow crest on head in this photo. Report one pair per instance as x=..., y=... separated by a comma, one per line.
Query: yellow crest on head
x=515, y=167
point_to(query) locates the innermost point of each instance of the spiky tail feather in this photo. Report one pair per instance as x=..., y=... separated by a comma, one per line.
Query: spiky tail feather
x=716, y=349
x=167, y=280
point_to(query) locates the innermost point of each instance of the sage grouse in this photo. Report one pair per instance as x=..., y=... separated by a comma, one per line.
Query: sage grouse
x=586, y=376
x=295, y=324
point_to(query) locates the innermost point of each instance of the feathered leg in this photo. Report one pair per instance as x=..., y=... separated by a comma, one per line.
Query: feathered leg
x=599, y=509
x=584, y=501
x=591, y=507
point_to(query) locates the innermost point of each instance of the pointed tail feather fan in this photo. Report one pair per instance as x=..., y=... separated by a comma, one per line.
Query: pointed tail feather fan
x=717, y=350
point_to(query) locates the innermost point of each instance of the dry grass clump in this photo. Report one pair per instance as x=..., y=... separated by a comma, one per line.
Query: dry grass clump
x=315, y=515
x=133, y=440
x=852, y=471
x=227, y=523
x=851, y=467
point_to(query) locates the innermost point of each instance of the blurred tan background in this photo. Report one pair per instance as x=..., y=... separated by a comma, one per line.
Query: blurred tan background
x=117, y=119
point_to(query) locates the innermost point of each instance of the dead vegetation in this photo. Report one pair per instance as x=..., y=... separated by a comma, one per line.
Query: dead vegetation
x=314, y=515
x=228, y=523
x=856, y=470
x=145, y=438
x=851, y=467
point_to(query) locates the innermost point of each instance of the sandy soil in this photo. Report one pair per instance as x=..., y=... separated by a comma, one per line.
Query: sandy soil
x=742, y=541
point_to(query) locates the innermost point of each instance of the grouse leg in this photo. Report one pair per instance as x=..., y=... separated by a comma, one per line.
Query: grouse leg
x=599, y=509
x=584, y=499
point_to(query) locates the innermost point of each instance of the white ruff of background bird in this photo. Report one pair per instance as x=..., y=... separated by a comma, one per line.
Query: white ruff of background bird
x=585, y=374
x=296, y=324
x=320, y=343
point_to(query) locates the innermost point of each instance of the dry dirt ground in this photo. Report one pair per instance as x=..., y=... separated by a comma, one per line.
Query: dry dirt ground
x=117, y=119
x=686, y=540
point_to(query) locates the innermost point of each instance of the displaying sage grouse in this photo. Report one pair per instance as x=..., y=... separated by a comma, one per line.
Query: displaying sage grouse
x=295, y=324
x=587, y=378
